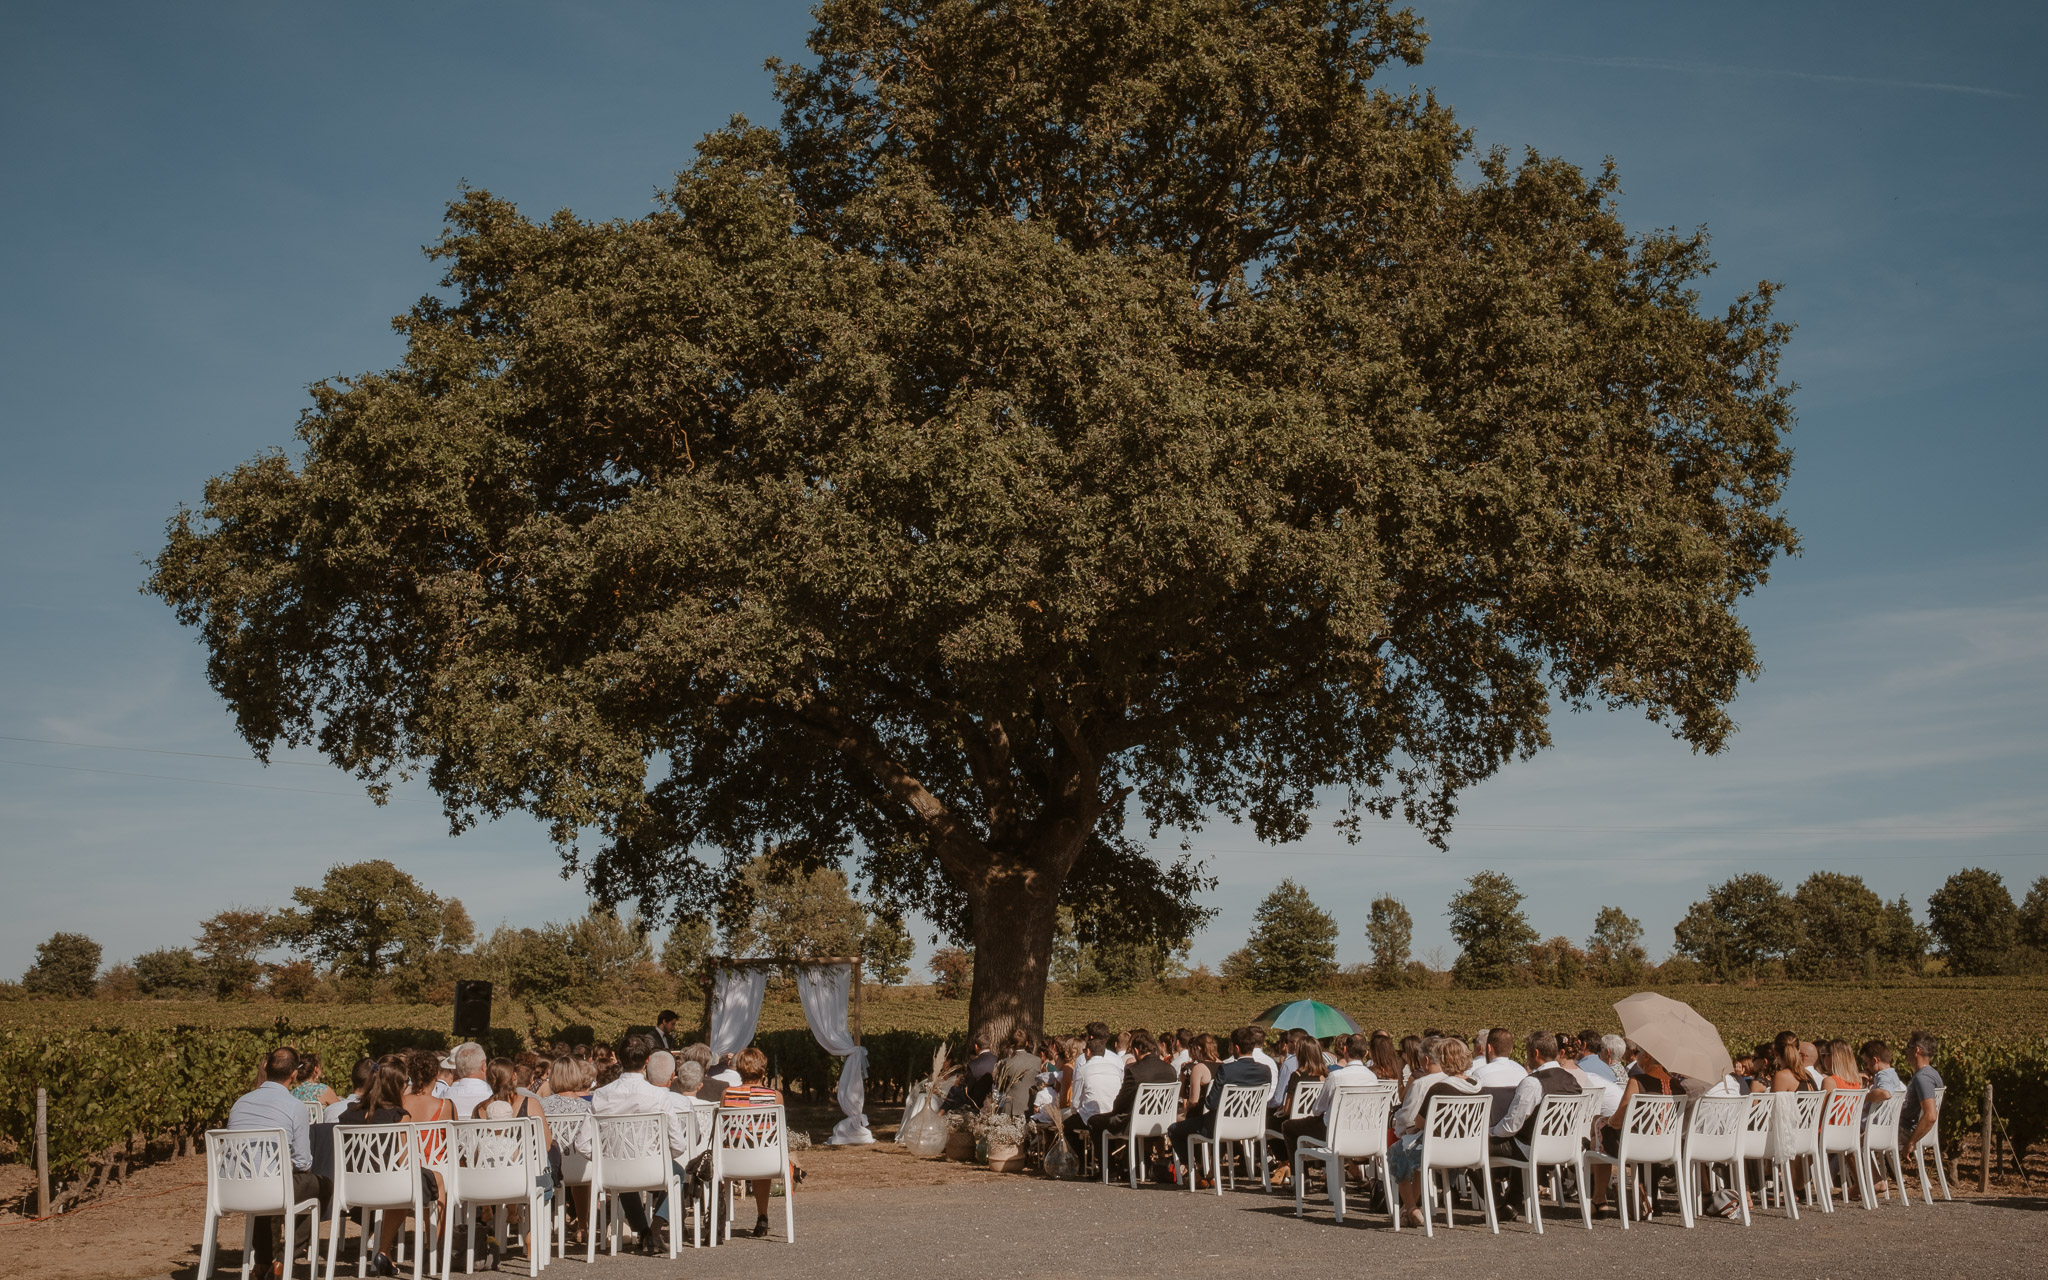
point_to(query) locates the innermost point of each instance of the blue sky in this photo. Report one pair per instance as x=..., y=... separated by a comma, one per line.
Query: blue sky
x=207, y=207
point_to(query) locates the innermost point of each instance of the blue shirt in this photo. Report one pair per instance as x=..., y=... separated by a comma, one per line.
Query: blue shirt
x=1888, y=1080
x=1921, y=1089
x=1592, y=1065
x=271, y=1106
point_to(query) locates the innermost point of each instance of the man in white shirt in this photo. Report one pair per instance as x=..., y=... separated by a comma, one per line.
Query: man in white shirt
x=642, y=1089
x=1098, y=1076
x=1500, y=1070
x=1259, y=1055
x=1349, y=1069
x=468, y=1089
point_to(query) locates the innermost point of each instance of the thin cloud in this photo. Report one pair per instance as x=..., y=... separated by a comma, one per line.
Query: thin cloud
x=1717, y=68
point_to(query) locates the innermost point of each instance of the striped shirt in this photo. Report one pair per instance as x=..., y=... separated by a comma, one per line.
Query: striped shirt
x=750, y=1095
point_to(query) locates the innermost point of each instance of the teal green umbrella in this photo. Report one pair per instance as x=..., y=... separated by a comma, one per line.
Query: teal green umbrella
x=1312, y=1016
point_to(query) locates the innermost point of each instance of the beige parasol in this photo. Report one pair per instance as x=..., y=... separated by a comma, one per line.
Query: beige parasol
x=1675, y=1035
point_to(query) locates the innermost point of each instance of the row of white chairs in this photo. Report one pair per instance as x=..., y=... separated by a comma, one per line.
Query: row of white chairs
x=1780, y=1131
x=382, y=1169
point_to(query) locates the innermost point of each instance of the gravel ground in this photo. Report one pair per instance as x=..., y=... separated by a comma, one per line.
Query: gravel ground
x=1030, y=1227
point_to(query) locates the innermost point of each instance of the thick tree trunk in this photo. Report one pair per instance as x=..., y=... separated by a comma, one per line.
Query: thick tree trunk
x=1016, y=910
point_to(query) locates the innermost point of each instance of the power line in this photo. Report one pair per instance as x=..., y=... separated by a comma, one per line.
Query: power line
x=162, y=751
x=204, y=782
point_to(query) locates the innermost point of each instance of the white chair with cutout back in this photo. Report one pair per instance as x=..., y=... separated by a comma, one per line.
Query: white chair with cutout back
x=1557, y=1141
x=1714, y=1135
x=1454, y=1137
x=1881, y=1149
x=1355, y=1129
x=574, y=1132
x=1651, y=1134
x=1841, y=1136
x=630, y=1154
x=491, y=1164
x=750, y=1144
x=1240, y=1118
x=1930, y=1142
x=1151, y=1112
x=1301, y=1104
x=377, y=1170
x=249, y=1171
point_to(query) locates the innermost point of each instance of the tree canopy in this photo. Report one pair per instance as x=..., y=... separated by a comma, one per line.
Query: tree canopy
x=1293, y=946
x=1743, y=922
x=67, y=964
x=1073, y=414
x=364, y=917
x=1492, y=934
x=1973, y=918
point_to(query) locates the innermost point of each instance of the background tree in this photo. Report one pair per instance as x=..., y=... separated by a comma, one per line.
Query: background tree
x=886, y=949
x=593, y=958
x=691, y=942
x=229, y=945
x=778, y=909
x=66, y=965
x=1293, y=946
x=1071, y=407
x=1492, y=934
x=1743, y=922
x=1615, y=951
x=2032, y=925
x=172, y=973
x=1555, y=962
x=952, y=972
x=1839, y=923
x=364, y=917
x=1974, y=921
x=1390, y=932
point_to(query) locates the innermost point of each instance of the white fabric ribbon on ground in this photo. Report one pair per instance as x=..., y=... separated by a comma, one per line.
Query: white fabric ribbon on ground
x=736, y=996
x=824, y=989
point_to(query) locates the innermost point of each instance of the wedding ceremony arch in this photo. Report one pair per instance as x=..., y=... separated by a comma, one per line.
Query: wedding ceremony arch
x=829, y=988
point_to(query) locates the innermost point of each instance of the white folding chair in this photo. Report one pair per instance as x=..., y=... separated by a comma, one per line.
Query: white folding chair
x=1841, y=1135
x=1151, y=1112
x=1714, y=1136
x=491, y=1164
x=1355, y=1128
x=1558, y=1140
x=1240, y=1118
x=249, y=1171
x=630, y=1154
x=1301, y=1104
x=750, y=1144
x=1650, y=1135
x=377, y=1170
x=1931, y=1142
x=1881, y=1147
x=316, y=1112
x=1794, y=1137
x=1454, y=1137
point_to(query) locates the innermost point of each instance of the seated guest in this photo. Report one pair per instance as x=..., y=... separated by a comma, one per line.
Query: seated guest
x=1842, y=1071
x=1592, y=1063
x=382, y=1102
x=1922, y=1106
x=1809, y=1063
x=753, y=1091
x=689, y=1079
x=1511, y=1137
x=1148, y=1066
x=1500, y=1070
x=1098, y=1078
x=1383, y=1057
x=972, y=1089
x=1884, y=1081
x=1283, y=1069
x=359, y=1079
x=636, y=1092
x=1197, y=1074
x=1018, y=1073
x=464, y=1085
x=1647, y=1076
x=1443, y=1062
x=1242, y=1069
x=1184, y=1052
x=272, y=1105
x=1309, y=1068
x=713, y=1087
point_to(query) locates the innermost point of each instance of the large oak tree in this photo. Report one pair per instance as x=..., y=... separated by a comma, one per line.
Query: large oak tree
x=1073, y=414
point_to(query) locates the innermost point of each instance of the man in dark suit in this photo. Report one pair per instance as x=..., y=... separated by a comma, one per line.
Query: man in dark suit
x=665, y=1031
x=1242, y=1069
x=1149, y=1067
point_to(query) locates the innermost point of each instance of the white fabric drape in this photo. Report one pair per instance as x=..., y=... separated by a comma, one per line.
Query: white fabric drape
x=736, y=996
x=824, y=990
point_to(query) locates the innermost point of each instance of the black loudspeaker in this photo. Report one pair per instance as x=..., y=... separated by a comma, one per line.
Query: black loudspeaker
x=472, y=1009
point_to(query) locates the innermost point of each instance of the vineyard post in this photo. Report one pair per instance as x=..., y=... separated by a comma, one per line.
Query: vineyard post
x=43, y=1151
x=1984, y=1172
